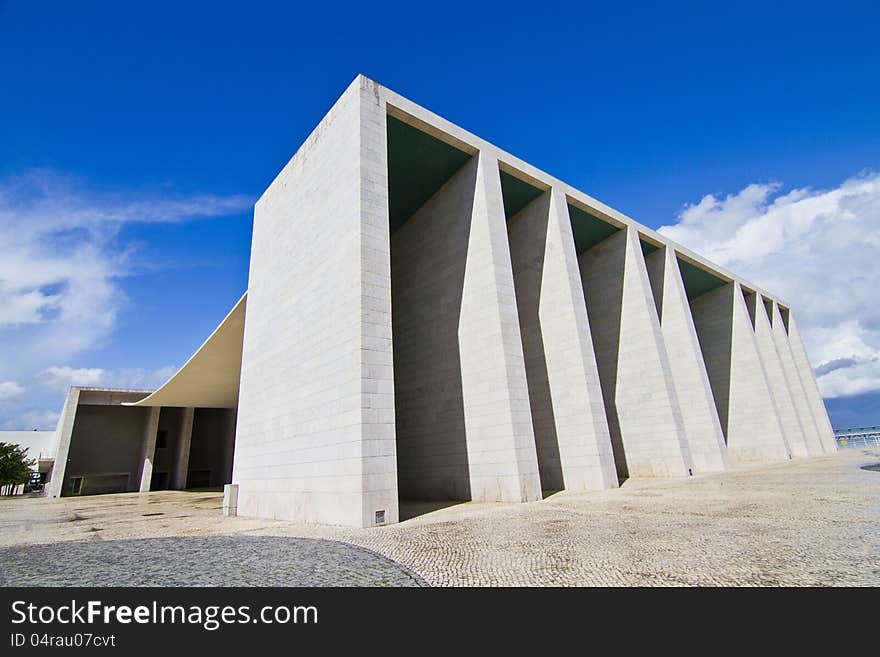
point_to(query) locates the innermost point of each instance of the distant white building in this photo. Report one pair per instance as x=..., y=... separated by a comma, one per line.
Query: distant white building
x=41, y=445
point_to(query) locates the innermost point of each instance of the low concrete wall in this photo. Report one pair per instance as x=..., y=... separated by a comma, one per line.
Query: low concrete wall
x=106, y=440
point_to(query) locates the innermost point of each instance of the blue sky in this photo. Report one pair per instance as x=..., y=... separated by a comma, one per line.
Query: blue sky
x=134, y=140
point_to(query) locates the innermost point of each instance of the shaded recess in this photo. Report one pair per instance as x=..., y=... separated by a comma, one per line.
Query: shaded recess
x=431, y=194
x=768, y=308
x=528, y=212
x=711, y=302
x=601, y=250
x=751, y=300
x=516, y=193
x=106, y=444
x=418, y=165
x=697, y=281
x=784, y=314
x=587, y=229
x=210, y=453
x=165, y=456
x=212, y=448
x=655, y=263
x=647, y=247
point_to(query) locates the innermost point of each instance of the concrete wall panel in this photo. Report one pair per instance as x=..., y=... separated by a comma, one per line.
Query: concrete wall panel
x=315, y=436
x=745, y=407
x=811, y=388
x=148, y=448
x=502, y=459
x=795, y=434
x=182, y=449
x=754, y=430
x=211, y=434
x=712, y=313
x=568, y=416
x=428, y=256
x=109, y=440
x=637, y=386
x=802, y=404
x=64, y=432
x=699, y=415
x=165, y=457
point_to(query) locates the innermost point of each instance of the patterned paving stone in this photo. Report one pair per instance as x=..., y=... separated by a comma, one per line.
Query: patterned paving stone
x=806, y=522
x=201, y=561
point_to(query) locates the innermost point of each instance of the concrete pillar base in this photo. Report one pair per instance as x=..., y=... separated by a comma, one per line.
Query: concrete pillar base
x=230, y=500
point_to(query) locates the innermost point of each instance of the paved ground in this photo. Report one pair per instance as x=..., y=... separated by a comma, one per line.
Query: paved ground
x=805, y=522
x=200, y=561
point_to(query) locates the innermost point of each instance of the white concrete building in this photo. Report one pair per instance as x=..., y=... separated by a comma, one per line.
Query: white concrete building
x=429, y=317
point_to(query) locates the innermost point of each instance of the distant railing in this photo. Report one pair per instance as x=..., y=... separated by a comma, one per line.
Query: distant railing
x=858, y=437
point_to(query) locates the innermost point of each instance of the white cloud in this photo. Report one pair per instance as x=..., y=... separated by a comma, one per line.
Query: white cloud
x=63, y=258
x=819, y=250
x=138, y=378
x=10, y=390
x=41, y=420
x=61, y=377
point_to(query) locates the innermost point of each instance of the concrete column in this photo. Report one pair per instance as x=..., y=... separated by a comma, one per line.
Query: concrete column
x=148, y=452
x=571, y=432
x=230, y=500
x=799, y=396
x=811, y=388
x=739, y=384
x=429, y=253
x=755, y=430
x=228, y=445
x=582, y=429
x=181, y=458
x=315, y=440
x=63, y=434
x=501, y=452
x=792, y=427
x=378, y=475
x=638, y=389
x=699, y=415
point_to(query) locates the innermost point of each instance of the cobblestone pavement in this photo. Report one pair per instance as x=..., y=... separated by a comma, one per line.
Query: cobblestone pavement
x=804, y=522
x=200, y=561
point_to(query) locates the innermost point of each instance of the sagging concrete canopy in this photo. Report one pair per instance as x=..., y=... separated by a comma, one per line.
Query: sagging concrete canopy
x=210, y=378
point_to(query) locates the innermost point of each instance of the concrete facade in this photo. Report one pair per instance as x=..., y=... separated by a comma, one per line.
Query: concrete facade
x=428, y=257
x=808, y=382
x=801, y=401
x=430, y=318
x=498, y=422
x=184, y=443
x=748, y=414
x=315, y=436
x=453, y=380
x=793, y=429
x=108, y=444
x=699, y=416
x=571, y=434
x=637, y=385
